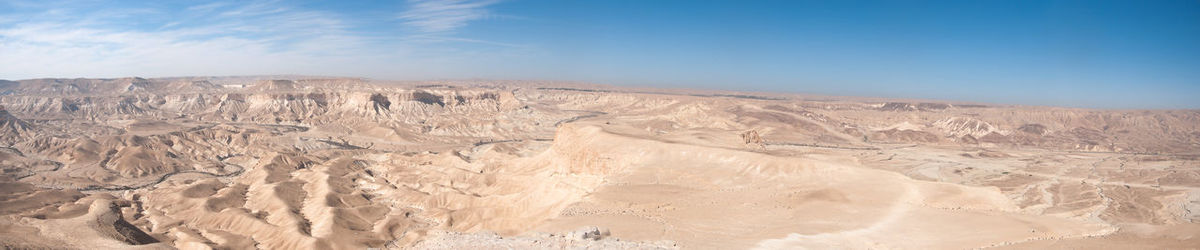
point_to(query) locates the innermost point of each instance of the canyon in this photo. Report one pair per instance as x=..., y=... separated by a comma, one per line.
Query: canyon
x=297, y=162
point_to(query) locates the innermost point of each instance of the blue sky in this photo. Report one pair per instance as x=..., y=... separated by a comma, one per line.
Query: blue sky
x=1102, y=54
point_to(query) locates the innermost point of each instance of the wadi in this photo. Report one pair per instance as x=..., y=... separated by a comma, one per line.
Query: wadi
x=297, y=162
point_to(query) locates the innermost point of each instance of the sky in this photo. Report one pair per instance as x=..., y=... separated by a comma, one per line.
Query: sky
x=1096, y=54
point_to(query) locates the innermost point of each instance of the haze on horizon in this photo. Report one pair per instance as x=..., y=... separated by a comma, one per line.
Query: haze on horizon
x=1099, y=54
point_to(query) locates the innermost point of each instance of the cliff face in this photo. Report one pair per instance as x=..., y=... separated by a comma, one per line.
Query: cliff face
x=322, y=103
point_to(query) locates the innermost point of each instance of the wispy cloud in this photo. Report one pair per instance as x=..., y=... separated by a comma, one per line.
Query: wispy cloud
x=438, y=39
x=221, y=38
x=89, y=43
x=207, y=7
x=436, y=16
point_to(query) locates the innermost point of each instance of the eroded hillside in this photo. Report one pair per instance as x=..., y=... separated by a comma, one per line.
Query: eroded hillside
x=302, y=163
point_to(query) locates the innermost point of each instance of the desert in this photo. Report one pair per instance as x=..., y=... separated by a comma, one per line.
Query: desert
x=296, y=162
x=543, y=124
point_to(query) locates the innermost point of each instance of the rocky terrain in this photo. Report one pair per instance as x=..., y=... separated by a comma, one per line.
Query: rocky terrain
x=294, y=162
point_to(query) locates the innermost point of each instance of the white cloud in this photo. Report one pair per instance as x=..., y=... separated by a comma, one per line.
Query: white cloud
x=434, y=16
x=208, y=7
x=265, y=37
